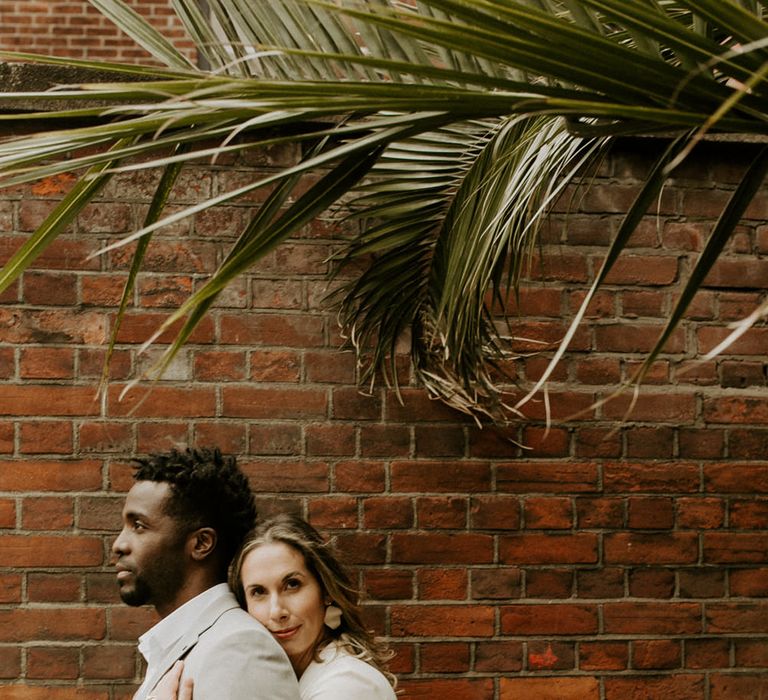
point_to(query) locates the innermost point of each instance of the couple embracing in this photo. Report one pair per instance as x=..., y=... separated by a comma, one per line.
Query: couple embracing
x=287, y=627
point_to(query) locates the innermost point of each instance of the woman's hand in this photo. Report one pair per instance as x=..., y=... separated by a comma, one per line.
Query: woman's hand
x=171, y=688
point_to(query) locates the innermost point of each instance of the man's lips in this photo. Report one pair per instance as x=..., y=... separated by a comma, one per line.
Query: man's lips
x=285, y=634
x=123, y=572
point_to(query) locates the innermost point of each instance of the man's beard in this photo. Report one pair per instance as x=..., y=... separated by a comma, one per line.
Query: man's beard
x=136, y=595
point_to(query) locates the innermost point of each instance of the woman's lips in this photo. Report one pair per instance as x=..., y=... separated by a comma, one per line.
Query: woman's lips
x=284, y=635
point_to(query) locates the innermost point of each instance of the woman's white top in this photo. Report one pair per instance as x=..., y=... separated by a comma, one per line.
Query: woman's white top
x=340, y=676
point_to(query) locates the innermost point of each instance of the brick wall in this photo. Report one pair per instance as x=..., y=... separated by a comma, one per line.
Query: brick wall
x=75, y=29
x=611, y=561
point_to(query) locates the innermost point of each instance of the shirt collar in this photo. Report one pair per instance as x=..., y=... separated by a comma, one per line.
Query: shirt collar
x=159, y=639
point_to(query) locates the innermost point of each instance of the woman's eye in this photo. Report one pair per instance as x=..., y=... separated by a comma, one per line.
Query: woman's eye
x=292, y=583
x=256, y=592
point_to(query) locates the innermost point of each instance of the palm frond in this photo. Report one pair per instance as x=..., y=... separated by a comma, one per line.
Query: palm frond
x=472, y=115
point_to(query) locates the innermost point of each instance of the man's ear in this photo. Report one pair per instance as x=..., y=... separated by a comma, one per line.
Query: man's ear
x=201, y=543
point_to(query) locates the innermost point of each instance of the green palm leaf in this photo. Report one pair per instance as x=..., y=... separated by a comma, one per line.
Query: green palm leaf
x=472, y=115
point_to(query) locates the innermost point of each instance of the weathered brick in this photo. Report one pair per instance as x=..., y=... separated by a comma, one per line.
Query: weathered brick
x=549, y=619
x=573, y=688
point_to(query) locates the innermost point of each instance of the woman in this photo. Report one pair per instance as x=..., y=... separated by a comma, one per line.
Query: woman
x=290, y=580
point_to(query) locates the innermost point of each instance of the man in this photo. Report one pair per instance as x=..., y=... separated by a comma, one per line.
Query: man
x=183, y=520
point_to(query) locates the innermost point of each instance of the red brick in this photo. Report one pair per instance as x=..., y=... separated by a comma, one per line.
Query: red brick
x=650, y=443
x=294, y=330
x=656, y=654
x=495, y=512
x=382, y=440
x=603, y=656
x=430, y=476
x=106, y=437
x=748, y=478
x=528, y=548
x=331, y=439
x=660, y=408
x=275, y=438
x=47, y=363
x=735, y=410
x=163, y=402
x=652, y=618
x=433, y=620
x=445, y=657
x=246, y=402
x=360, y=476
x=498, y=657
x=750, y=583
x=456, y=689
x=678, y=686
x=53, y=662
x=701, y=583
x=219, y=366
x=47, y=513
x=448, y=512
x=701, y=444
x=41, y=550
x=389, y=584
x=442, y=549
x=351, y=404
x=388, y=512
x=363, y=547
x=648, y=548
x=337, y=512
x=275, y=366
x=735, y=548
x=548, y=513
x=109, y=662
x=549, y=583
x=229, y=438
x=24, y=625
x=497, y=582
x=652, y=583
x=547, y=477
x=600, y=512
x=54, y=588
x=700, y=513
x=638, y=338
x=708, y=653
x=442, y=584
x=10, y=663
x=597, y=442
x=737, y=618
x=549, y=619
x=285, y=477
x=729, y=687
x=663, y=477
x=46, y=437
x=439, y=441
x=748, y=652
x=551, y=656
x=156, y=437
x=34, y=475
x=49, y=400
x=573, y=688
x=605, y=582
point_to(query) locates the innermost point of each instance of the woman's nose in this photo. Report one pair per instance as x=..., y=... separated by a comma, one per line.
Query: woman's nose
x=277, y=609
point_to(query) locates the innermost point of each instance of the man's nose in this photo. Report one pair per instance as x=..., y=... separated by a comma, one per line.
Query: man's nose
x=120, y=545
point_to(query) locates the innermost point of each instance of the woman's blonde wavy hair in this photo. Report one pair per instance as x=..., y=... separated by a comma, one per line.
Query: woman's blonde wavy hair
x=322, y=561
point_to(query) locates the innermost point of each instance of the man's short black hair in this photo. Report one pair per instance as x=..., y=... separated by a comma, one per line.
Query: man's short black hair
x=207, y=490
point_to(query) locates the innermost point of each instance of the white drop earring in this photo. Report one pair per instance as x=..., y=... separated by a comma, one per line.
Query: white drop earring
x=332, y=618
